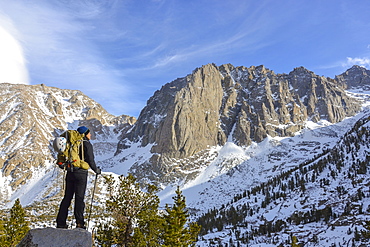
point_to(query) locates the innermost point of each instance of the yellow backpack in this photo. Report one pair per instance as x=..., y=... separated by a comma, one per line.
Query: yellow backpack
x=69, y=156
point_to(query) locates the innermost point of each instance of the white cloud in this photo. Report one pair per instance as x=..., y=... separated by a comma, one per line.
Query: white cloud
x=364, y=61
x=12, y=61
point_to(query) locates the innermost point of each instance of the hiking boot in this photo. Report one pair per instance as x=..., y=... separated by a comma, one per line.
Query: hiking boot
x=82, y=226
x=62, y=226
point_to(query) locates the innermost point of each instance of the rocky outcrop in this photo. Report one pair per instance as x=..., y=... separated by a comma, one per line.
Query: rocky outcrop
x=47, y=237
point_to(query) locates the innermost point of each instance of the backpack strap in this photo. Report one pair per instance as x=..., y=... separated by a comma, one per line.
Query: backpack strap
x=82, y=148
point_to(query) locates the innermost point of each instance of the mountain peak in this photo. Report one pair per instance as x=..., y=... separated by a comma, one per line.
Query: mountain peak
x=356, y=68
x=301, y=71
x=356, y=76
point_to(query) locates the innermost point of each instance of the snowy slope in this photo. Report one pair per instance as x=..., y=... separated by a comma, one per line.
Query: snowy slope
x=340, y=188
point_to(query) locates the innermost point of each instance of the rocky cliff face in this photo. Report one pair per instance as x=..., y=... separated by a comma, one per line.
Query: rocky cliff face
x=244, y=105
x=31, y=116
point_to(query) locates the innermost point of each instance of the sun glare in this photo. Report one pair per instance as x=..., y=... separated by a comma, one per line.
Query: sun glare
x=12, y=62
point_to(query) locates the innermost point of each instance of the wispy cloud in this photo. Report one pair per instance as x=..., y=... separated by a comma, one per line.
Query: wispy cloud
x=59, y=43
x=207, y=39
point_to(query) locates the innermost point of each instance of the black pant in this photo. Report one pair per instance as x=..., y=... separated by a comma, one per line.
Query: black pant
x=75, y=185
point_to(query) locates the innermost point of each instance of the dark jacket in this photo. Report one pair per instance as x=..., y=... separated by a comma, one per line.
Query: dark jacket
x=89, y=154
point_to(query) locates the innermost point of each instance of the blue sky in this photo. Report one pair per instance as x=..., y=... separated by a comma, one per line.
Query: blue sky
x=119, y=52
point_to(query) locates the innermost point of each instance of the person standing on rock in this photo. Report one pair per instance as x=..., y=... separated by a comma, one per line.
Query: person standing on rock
x=76, y=182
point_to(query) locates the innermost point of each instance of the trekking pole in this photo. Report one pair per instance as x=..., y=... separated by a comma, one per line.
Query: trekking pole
x=92, y=198
x=64, y=181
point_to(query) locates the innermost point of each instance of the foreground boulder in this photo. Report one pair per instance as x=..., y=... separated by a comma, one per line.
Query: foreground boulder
x=56, y=237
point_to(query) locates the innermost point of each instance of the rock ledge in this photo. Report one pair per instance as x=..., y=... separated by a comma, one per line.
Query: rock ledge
x=56, y=237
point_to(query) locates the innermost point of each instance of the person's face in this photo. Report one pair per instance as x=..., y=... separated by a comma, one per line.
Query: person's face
x=89, y=136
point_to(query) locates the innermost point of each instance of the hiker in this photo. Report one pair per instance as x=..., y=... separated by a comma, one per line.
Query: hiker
x=76, y=181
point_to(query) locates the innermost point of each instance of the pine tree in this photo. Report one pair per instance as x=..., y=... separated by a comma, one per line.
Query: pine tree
x=175, y=231
x=132, y=215
x=148, y=231
x=16, y=227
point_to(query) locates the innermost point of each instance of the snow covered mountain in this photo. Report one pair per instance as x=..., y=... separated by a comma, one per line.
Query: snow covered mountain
x=219, y=104
x=31, y=116
x=260, y=157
